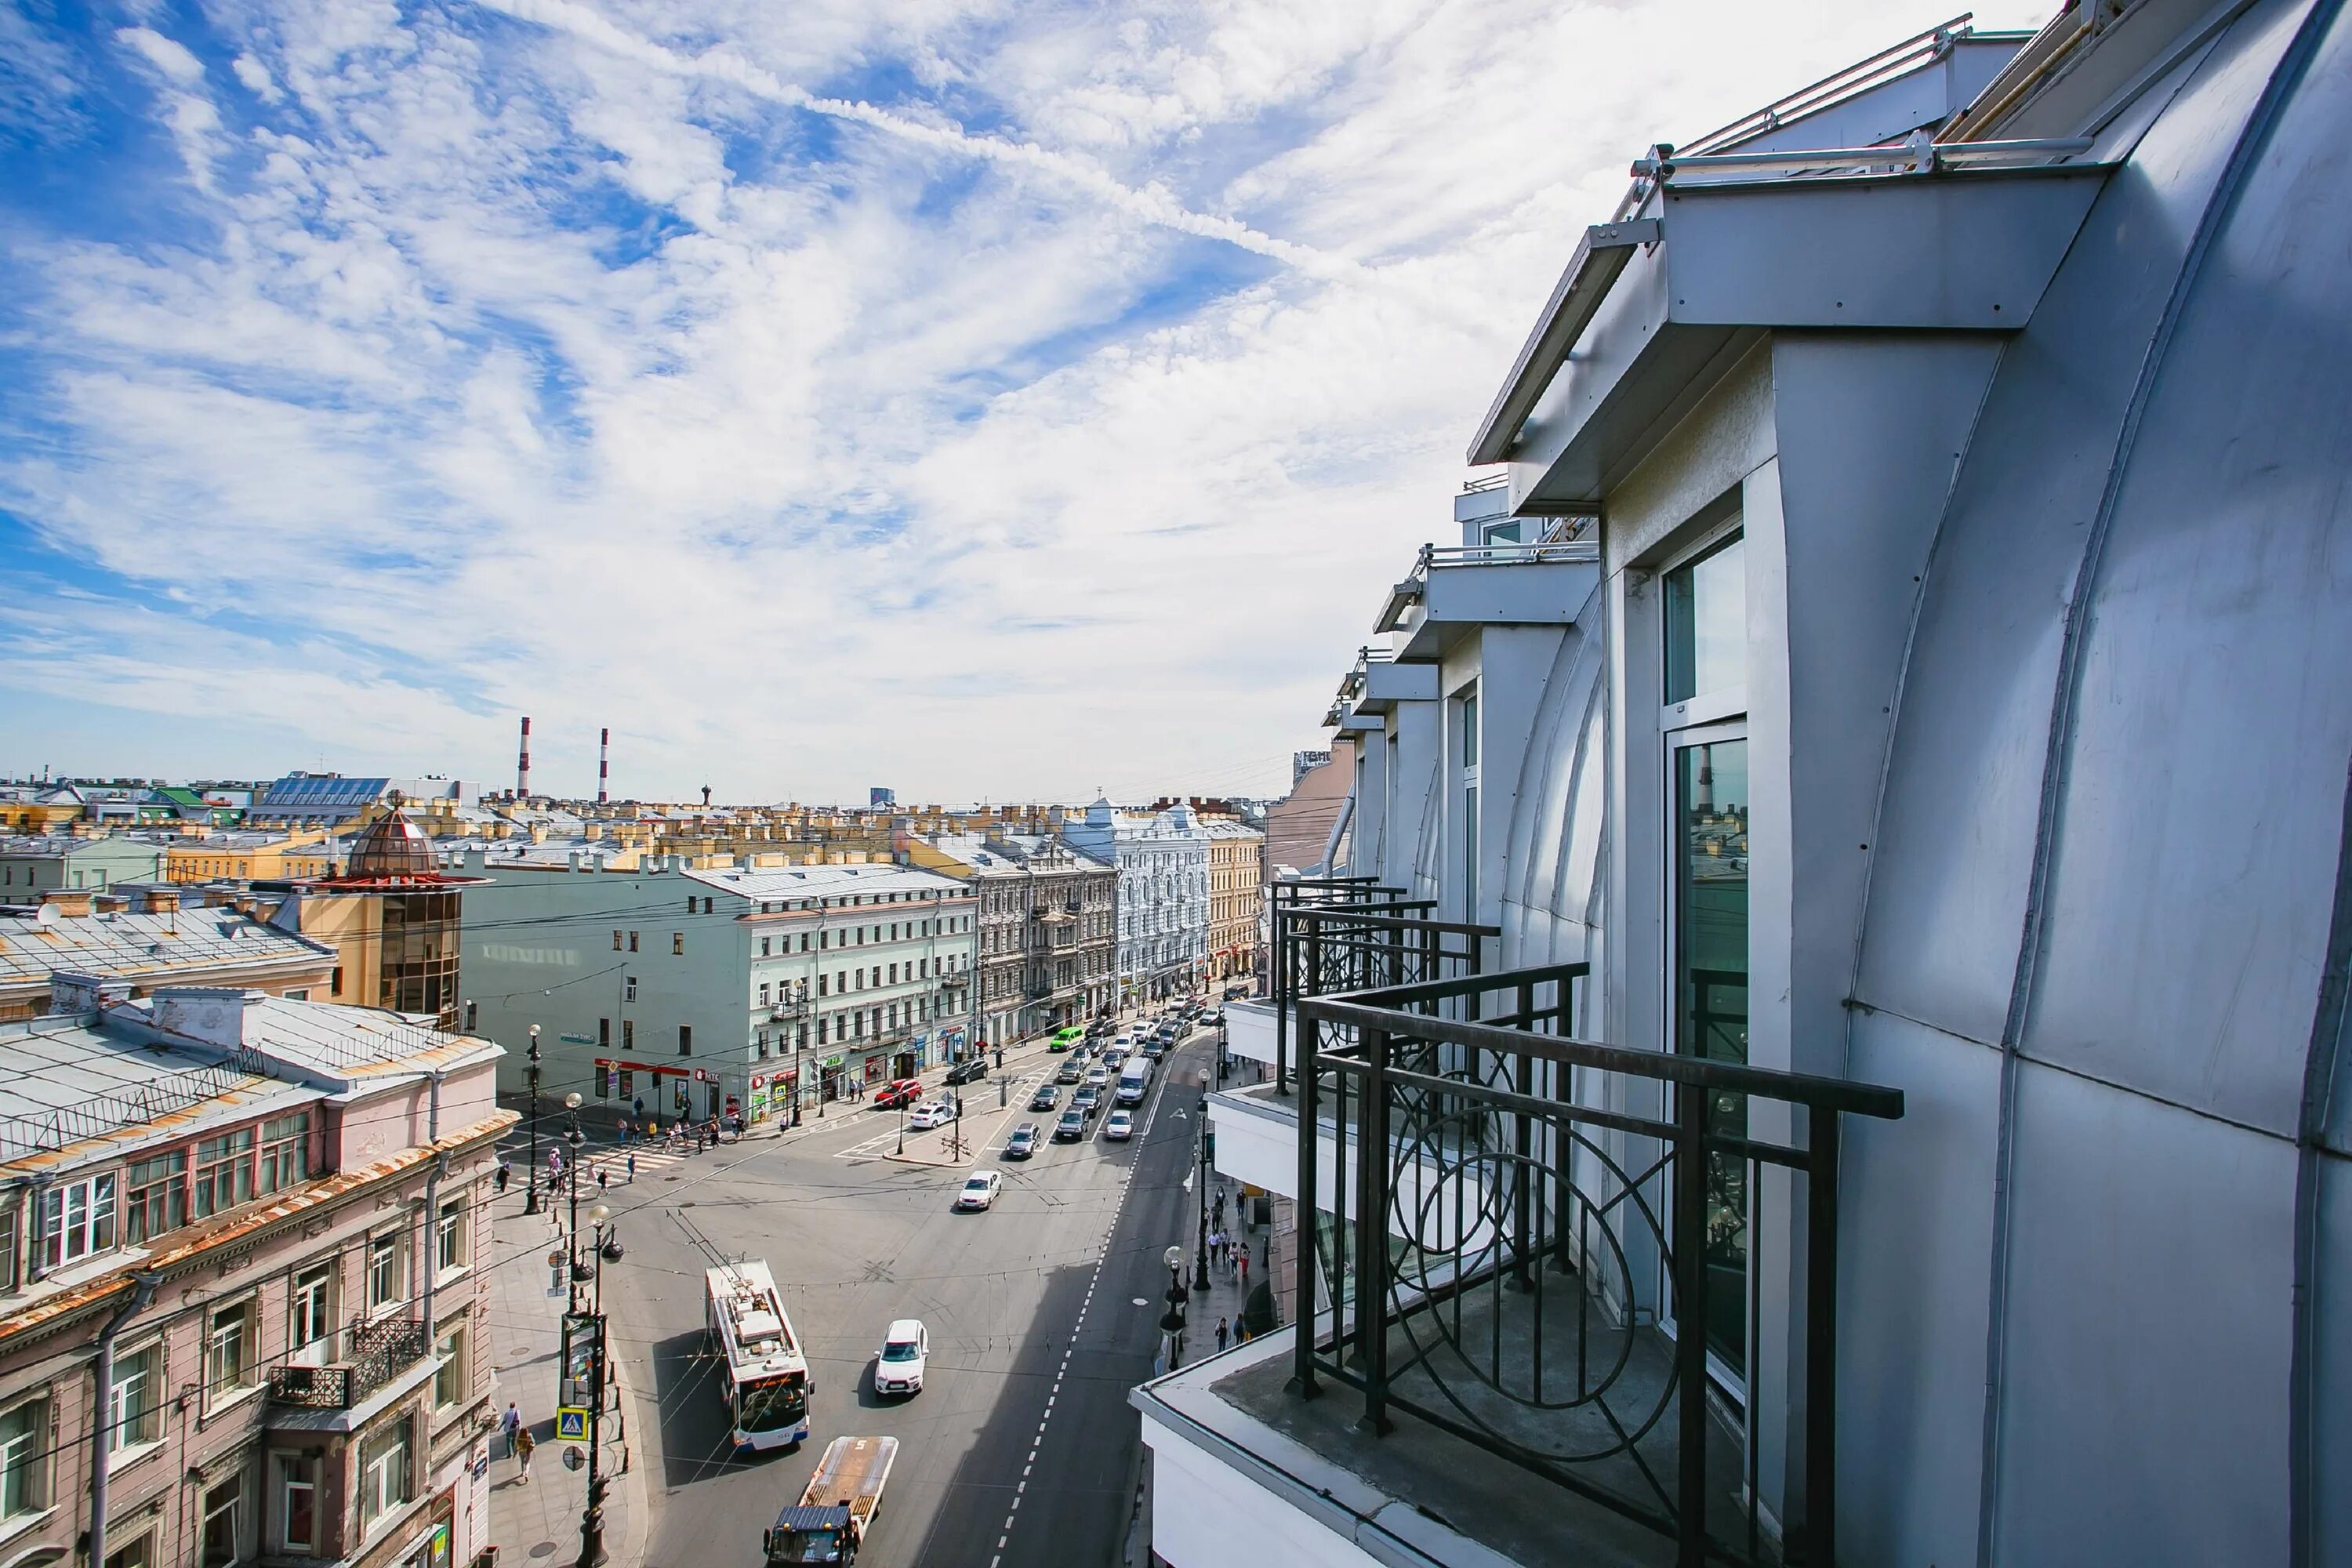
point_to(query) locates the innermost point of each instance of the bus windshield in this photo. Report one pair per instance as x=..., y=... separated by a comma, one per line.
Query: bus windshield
x=766, y=1403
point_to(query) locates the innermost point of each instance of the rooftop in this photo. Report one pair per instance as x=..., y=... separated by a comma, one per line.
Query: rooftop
x=36, y=945
x=762, y=882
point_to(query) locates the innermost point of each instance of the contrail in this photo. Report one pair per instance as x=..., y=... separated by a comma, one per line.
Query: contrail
x=1152, y=203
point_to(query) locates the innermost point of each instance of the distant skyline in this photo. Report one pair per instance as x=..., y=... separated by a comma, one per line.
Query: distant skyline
x=983, y=402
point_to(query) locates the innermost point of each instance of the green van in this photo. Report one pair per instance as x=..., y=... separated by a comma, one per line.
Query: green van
x=1064, y=1038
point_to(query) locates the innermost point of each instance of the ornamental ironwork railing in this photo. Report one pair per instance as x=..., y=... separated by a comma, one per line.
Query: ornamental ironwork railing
x=1556, y=1250
x=374, y=1354
x=1340, y=934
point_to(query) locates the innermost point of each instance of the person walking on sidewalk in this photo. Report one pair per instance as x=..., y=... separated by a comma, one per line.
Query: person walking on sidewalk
x=1245, y=1274
x=524, y=1444
x=632, y=1167
x=1222, y=1330
x=509, y=1424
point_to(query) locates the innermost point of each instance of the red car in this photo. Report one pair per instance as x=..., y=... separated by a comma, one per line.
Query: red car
x=902, y=1092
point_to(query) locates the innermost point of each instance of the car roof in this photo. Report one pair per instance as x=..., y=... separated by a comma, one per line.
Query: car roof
x=903, y=1329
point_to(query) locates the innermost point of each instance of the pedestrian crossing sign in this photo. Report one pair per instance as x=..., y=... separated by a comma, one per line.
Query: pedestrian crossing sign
x=572, y=1424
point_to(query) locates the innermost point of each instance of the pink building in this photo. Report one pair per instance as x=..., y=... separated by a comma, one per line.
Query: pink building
x=237, y=1244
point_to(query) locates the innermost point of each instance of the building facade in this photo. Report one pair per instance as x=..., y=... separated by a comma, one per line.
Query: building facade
x=1885, y=817
x=31, y=865
x=267, y=1214
x=1048, y=926
x=148, y=942
x=393, y=919
x=1162, y=862
x=705, y=992
x=1236, y=870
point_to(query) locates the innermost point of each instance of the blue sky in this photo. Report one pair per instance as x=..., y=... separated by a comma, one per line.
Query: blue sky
x=989, y=400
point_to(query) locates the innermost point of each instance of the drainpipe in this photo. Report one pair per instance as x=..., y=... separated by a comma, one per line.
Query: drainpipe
x=430, y=1256
x=143, y=1290
x=1331, y=845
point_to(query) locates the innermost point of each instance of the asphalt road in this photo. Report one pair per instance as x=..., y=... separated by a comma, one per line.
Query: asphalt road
x=1022, y=1445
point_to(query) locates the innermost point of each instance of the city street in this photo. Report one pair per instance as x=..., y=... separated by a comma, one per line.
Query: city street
x=1043, y=1313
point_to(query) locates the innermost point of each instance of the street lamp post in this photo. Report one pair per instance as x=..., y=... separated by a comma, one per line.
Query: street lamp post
x=1201, y=1252
x=530, y=1171
x=575, y=1140
x=591, y=1516
x=1172, y=1324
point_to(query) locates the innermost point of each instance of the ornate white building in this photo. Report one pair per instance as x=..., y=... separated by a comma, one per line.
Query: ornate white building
x=1163, y=894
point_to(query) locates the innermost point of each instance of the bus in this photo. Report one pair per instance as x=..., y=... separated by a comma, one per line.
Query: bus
x=1064, y=1038
x=767, y=1385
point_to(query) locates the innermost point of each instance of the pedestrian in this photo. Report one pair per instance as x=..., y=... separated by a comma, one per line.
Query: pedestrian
x=1241, y=1332
x=1217, y=1213
x=524, y=1444
x=638, y=1106
x=1221, y=1331
x=506, y=1172
x=632, y=1167
x=509, y=1424
x=601, y=1172
x=1244, y=1280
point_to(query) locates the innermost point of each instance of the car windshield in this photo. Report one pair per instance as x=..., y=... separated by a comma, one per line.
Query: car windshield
x=898, y=1350
x=977, y=1184
x=1071, y=1119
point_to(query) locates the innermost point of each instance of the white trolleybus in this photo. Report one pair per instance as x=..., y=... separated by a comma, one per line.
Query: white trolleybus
x=767, y=1387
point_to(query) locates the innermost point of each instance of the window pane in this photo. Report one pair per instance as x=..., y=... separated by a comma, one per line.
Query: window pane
x=22, y=1431
x=1711, y=987
x=1706, y=622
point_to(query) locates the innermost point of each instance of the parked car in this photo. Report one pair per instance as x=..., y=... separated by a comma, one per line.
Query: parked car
x=1023, y=1142
x=1045, y=1099
x=938, y=1113
x=900, y=1091
x=1120, y=1127
x=966, y=1070
x=1071, y=1127
x=906, y=1351
x=980, y=1190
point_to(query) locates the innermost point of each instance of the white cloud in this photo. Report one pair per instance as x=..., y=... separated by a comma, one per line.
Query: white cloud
x=981, y=400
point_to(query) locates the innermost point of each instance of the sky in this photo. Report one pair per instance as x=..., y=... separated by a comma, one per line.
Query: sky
x=991, y=401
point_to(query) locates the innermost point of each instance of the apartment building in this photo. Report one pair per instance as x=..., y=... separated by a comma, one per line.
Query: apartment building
x=1236, y=870
x=1048, y=926
x=146, y=942
x=1816, y=1041
x=238, y=1283
x=700, y=991
x=32, y=865
x=1162, y=861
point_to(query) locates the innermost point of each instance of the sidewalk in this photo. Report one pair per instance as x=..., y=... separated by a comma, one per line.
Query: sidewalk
x=1226, y=1294
x=538, y=1525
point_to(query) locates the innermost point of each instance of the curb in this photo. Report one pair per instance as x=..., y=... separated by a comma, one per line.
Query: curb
x=637, y=1496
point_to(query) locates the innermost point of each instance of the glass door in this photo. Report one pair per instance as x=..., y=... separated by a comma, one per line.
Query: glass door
x=1710, y=971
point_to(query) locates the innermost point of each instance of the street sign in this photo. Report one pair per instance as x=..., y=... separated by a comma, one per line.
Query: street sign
x=575, y=1457
x=577, y=1039
x=572, y=1424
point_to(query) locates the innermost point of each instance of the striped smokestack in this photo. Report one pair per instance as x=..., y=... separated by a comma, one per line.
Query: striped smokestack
x=522, y=761
x=604, y=766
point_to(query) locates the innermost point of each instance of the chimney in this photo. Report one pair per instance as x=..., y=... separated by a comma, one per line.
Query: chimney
x=159, y=900
x=71, y=994
x=213, y=1014
x=522, y=763
x=604, y=766
x=66, y=900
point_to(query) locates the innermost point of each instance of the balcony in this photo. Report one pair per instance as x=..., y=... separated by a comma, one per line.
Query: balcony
x=374, y=1354
x=1455, y=588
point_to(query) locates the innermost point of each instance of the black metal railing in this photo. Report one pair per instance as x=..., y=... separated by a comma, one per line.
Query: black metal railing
x=1340, y=934
x=374, y=1354
x=1554, y=1249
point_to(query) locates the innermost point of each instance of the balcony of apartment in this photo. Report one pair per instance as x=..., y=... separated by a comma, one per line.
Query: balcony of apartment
x=1605, y=1282
x=1454, y=589
x=378, y=1363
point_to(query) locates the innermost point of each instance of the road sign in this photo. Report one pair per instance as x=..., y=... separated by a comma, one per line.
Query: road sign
x=573, y=1459
x=572, y=1424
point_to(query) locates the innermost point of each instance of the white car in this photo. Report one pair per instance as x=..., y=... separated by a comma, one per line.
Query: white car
x=906, y=1348
x=980, y=1191
x=1120, y=1127
x=938, y=1113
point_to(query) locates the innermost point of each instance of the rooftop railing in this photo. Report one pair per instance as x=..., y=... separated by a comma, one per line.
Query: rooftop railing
x=1555, y=1250
x=1337, y=934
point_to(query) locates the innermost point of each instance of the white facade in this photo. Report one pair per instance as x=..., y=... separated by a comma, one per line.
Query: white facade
x=690, y=991
x=2007, y=778
x=1163, y=893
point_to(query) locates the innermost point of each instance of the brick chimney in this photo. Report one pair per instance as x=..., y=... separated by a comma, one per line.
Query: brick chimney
x=159, y=900
x=67, y=901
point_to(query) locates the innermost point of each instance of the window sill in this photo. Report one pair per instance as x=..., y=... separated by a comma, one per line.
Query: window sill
x=12, y=1528
x=214, y=1409
x=448, y=1277
x=124, y=1458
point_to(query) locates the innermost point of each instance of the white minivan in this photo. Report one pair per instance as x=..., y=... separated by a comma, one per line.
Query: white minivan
x=1132, y=1081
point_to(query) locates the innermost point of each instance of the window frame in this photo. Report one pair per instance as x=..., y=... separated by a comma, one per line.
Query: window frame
x=452, y=1234
x=238, y=1147
x=393, y=1244
x=373, y=1508
x=36, y=1464
x=290, y=1473
x=130, y=1365
x=98, y=1226
x=219, y=1394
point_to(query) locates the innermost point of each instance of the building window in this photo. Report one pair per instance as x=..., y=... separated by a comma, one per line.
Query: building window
x=604, y=1033
x=685, y=1039
x=335, y=981
x=384, y=1474
x=285, y=1151
x=8, y=1212
x=763, y=993
x=764, y=943
x=386, y=1284
x=228, y=1351
x=629, y=1034
x=134, y=1416
x=224, y=1172
x=633, y=942
x=449, y=1380
x=821, y=980
x=24, y=1459
x=224, y=1510
x=298, y=1503
x=628, y=988
x=616, y=941
x=76, y=1220
x=1706, y=622
x=139, y=1554
x=155, y=1196
x=677, y=943
x=307, y=1322
x=449, y=1236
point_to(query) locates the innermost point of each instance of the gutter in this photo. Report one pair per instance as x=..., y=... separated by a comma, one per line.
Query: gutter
x=1575, y=300
x=143, y=1292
